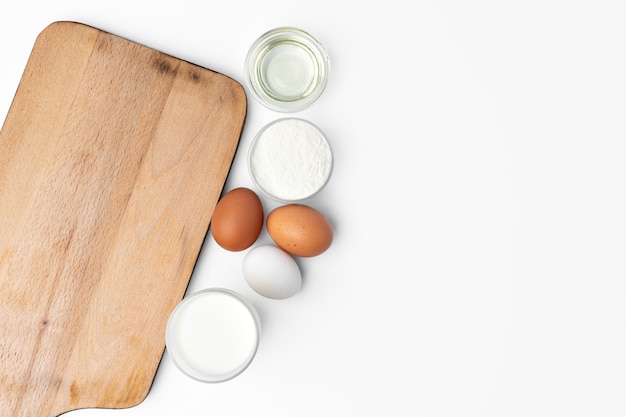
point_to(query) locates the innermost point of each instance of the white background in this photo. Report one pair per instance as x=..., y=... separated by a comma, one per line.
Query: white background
x=478, y=198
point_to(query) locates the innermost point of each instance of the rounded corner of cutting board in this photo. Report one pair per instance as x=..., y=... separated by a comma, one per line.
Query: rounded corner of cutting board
x=62, y=28
x=241, y=91
x=240, y=96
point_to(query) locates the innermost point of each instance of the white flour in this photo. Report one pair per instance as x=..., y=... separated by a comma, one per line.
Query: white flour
x=291, y=159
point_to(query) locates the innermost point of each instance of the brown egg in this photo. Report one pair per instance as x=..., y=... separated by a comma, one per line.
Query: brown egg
x=237, y=220
x=300, y=230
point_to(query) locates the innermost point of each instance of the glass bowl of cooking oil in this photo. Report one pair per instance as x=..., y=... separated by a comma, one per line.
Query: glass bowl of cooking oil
x=287, y=69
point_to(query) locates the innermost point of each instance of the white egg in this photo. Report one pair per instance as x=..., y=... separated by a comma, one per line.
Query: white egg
x=272, y=272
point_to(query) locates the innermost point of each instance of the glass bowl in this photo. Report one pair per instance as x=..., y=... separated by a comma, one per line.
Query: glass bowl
x=213, y=335
x=287, y=69
x=290, y=160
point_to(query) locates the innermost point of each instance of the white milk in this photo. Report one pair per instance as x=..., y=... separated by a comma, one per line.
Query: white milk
x=213, y=335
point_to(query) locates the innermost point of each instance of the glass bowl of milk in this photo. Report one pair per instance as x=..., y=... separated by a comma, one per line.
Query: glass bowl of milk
x=287, y=69
x=213, y=335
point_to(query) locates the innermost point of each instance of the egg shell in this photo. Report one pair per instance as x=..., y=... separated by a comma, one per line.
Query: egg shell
x=238, y=219
x=300, y=230
x=272, y=272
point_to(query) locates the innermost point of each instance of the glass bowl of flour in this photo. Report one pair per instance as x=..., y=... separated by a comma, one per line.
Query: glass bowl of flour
x=290, y=160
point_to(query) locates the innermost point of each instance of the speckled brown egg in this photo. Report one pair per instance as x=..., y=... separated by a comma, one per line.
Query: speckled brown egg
x=299, y=230
x=237, y=220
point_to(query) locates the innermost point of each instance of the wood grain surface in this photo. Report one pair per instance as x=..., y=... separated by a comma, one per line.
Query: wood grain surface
x=112, y=158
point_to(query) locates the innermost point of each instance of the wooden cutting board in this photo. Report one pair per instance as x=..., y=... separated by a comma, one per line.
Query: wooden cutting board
x=112, y=158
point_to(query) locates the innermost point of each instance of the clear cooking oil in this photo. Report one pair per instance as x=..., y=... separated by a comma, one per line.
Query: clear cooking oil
x=287, y=69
